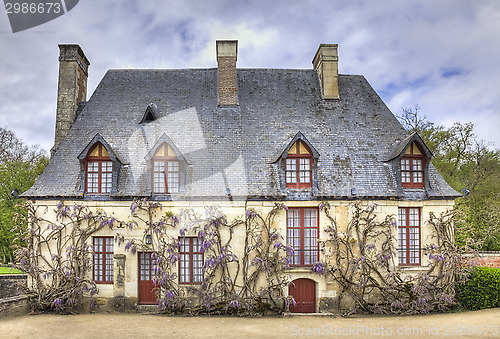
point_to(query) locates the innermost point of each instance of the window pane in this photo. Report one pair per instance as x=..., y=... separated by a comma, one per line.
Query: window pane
x=173, y=166
x=159, y=166
x=302, y=235
x=304, y=164
x=106, y=182
x=103, y=259
x=409, y=235
x=414, y=217
x=417, y=165
x=109, y=267
x=93, y=166
x=405, y=164
x=191, y=261
x=305, y=176
x=405, y=177
x=107, y=166
x=293, y=217
x=159, y=182
x=173, y=182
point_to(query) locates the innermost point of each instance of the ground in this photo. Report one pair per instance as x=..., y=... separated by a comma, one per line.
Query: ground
x=479, y=324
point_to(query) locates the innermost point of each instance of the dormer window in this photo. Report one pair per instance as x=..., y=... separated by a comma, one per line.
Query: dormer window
x=98, y=169
x=412, y=167
x=298, y=166
x=165, y=164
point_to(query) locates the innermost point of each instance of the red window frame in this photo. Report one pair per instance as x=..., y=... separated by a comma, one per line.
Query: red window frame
x=102, y=272
x=412, y=167
x=104, y=170
x=190, y=261
x=409, y=225
x=302, y=228
x=167, y=163
x=294, y=167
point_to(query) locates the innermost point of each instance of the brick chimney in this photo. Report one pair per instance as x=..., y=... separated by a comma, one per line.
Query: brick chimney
x=326, y=62
x=72, y=89
x=227, y=51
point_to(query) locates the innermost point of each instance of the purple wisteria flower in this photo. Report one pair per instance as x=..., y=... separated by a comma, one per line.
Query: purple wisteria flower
x=319, y=268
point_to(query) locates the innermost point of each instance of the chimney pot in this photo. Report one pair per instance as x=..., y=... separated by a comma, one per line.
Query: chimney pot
x=326, y=62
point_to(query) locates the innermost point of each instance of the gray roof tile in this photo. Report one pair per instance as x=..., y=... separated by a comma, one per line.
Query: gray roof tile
x=236, y=147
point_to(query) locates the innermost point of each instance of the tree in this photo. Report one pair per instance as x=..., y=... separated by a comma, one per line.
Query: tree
x=465, y=162
x=19, y=166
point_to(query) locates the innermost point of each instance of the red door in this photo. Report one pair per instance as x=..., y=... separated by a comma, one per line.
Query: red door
x=304, y=293
x=147, y=292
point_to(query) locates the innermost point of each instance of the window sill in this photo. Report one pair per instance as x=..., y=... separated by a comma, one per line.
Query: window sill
x=412, y=267
x=301, y=269
x=190, y=283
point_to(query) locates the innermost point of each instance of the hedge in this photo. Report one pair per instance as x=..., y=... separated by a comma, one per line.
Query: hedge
x=480, y=290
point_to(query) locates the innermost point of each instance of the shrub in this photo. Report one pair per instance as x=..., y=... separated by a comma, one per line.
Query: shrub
x=480, y=290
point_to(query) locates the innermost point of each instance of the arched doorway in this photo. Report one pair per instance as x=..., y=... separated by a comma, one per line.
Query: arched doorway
x=304, y=292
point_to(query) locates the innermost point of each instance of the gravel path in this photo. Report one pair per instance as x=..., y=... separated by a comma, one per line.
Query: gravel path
x=479, y=324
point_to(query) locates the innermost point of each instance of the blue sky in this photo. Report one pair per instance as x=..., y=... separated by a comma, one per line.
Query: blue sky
x=440, y=55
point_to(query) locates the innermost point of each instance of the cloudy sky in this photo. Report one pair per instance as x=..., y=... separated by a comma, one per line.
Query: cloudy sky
x=441, y=55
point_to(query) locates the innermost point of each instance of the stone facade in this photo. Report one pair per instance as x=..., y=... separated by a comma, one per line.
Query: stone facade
x=123, y=293
x=231, y=132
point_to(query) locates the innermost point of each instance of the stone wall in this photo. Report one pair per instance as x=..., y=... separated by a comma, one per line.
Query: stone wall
x=12, y=300
x=489, y=259
x=11, y=285
x=14, y=306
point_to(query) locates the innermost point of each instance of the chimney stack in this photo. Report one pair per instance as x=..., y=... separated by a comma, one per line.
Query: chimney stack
x=326, y=62
x=227, y=51
x=72, y=89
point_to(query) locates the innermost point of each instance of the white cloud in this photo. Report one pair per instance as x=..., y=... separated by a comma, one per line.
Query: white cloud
x=402, y=47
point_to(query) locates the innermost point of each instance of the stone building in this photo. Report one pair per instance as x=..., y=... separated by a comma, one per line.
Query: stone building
x=238, y=138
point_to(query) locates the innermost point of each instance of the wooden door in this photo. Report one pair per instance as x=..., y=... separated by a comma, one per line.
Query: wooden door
x=147, y=291
x=304, y=293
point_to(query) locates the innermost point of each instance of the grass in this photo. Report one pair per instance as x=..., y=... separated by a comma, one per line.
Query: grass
x=7, y=270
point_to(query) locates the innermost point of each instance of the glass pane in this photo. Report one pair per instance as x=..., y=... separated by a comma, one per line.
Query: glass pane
x=293, y=217
x=184, y=268
x=291, y=177
x=291, y=165
x=159, y=182
x=107, y=166
x=109, y=267
x=159, y=166
x=402, y=217
x=305, y=176
x=106, y=182
x=405, y=164
x=417, y=165
x=93, y=166
x=98, y=244
x=304, y=164
x=173, y=182
x=173, y=166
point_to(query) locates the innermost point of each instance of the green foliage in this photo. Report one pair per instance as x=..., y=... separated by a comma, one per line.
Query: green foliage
x=480, y=290
x=465, y=162
x=9, y=270
x=19, y=167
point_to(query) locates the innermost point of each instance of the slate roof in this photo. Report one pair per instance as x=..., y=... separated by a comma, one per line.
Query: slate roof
x=238, y=147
